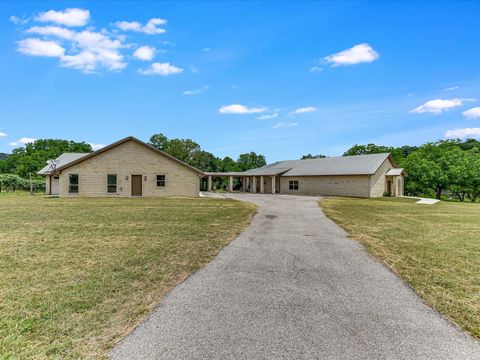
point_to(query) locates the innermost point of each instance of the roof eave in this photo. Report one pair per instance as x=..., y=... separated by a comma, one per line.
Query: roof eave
x=122, y=141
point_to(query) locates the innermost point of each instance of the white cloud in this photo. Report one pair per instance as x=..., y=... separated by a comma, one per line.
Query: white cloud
x=473, y=113
x=241, y=109
x=452, y=88
x=358, y=54
x=463, y=133
x=163, y=69
x=18, y=20
x=2, y=134
x=96, y=147
x=196, y=91
x=437, y=106
x=68, y=17
x=145, y=53
x=150, y=28
x=96, y=50
x=37, y=47
x=282, y=124
x=316, y=69
x=22, y=141
x=268, y=116
x=206, y=49
x=88, y=50
x=56, y=31
x=304, y=110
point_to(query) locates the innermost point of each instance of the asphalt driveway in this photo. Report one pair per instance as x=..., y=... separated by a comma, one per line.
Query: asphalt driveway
x=292, y=286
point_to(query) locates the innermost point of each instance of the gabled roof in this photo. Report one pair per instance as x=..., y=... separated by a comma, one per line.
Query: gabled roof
x=395, y=172
x=63, y=159
x=120, y=142
x=341, y=165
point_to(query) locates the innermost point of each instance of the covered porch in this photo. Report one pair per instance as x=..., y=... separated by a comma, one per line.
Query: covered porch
x=262, y=184
x=394, y=185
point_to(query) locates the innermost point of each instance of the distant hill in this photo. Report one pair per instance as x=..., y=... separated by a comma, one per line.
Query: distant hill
x=3, y=156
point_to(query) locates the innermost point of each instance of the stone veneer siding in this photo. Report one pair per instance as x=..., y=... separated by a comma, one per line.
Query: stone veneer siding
x=125, y=160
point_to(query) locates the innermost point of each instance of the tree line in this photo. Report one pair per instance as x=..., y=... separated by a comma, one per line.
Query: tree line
x=191, y=153
x=445, y=168
x=16, y=168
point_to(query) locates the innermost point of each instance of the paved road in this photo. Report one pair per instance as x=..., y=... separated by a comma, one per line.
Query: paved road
x=293, y=287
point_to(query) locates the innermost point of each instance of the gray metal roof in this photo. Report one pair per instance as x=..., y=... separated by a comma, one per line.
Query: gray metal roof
x=342, y=165
x=394, y=172
x=63, y=159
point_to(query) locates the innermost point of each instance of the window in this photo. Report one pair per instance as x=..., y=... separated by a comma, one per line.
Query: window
x=73, y=183
x=112, y=183
x=293, y=184
x=160, y=180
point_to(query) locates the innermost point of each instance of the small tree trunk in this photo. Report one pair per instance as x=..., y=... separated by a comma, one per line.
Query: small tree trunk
x=438, y=193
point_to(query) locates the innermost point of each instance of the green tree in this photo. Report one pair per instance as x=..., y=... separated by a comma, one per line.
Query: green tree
x=159, y=141
x=474, y=164
x=31, y=158
x=310, y=156
x=228, y=164
x=205, y=161
x=469, y=144
x=367, y=149
x=399, y=153
x=430, y=168
x=250, y=160
x=183, y=149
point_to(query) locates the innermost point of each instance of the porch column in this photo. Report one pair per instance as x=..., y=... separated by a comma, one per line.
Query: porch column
x=273, y=184
x=243, y=184
x=262, y=187
x=254, y=184
x=209, y=182
x=230, y=183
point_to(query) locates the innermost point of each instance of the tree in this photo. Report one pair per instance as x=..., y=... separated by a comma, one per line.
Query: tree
x=430, y=168
x=159, y=141
x=469, y=144
x=367, y=149
x=228, y=164
x=250, y=161
x=31, y=158
x=474, y=167
x=399, y=154
x=310, y=156
x=459, y=172
x=205, y=161
x=183, y=149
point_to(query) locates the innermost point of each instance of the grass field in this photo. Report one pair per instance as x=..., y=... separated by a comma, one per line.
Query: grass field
x=77, y=274
x=436, y=249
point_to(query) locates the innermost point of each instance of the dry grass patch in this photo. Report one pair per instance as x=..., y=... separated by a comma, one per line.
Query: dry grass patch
x=77, y=274
x=436, y=249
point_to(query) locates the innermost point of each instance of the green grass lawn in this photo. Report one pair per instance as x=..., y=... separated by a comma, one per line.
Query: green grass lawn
x=435, y=248
x=76, y=275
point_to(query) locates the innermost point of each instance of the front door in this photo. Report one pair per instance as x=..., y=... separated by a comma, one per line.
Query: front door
x=389, y=187
x=136, y=185
x=54, y=185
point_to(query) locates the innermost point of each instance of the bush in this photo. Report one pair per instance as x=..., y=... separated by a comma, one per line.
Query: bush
x=14, y=182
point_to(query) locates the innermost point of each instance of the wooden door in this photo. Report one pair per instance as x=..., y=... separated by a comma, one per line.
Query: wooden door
x=136, y=185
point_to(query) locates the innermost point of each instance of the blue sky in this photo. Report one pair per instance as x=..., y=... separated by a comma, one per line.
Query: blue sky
x=279, y=78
